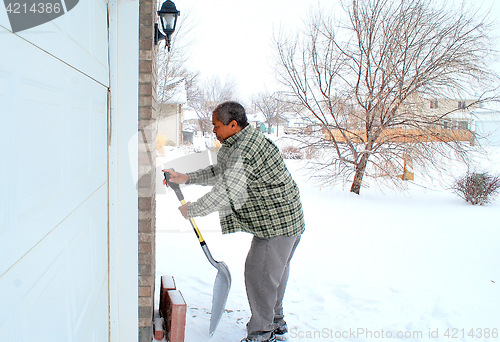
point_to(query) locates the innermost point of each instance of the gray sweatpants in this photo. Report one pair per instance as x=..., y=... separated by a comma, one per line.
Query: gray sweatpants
x=266, y=273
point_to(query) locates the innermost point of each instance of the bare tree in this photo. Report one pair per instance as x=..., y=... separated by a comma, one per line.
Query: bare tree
x=171, y=65
x=269, y=105
x=366, y=80
x=210, y=93
x=273, y=106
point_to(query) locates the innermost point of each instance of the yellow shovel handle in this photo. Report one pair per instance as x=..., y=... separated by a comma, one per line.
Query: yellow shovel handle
x=195, y=227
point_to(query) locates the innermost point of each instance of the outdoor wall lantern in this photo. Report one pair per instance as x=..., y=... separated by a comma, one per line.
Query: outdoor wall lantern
x=168, y=18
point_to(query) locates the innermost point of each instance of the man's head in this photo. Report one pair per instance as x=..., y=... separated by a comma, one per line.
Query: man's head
x=228, y=119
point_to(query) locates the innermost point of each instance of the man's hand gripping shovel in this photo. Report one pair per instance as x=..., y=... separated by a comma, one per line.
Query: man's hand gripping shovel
x=222, y=280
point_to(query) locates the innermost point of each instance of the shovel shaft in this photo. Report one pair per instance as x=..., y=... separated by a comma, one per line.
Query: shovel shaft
x=223, y=278
x=180, y=197
x=195, y=227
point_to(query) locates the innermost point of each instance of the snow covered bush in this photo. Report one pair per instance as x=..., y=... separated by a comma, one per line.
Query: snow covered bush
x=291, y=152
x=477, y=187
x=312, y=152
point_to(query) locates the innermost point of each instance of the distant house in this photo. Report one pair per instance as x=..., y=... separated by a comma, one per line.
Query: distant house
x=466, y=115
x=170, y=123
x=170, y=113
x=294, y=123
x=459, y=111
x=256, y=119
x=454, y=120
x=190, y=120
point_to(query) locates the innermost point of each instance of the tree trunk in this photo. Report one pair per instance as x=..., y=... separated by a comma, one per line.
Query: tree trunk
x=360, y=171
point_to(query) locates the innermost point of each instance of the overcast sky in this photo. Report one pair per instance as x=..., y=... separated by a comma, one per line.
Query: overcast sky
x=233, y=39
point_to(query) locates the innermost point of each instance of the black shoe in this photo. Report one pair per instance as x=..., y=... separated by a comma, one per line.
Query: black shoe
x=272, y=338
x=281, y=333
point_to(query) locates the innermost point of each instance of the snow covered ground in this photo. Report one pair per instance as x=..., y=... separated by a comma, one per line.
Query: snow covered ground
x=415, y=265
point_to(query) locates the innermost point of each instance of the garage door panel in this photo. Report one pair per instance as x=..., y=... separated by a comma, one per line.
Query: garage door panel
x=53, y=198
x=54, y=191
x=88, y=279
x=4, y=150
x=8, y=331
x=55, y=144
x=4, y=19
x=54, y=293
x=78, y=38
x=47, y=303
x=98, y=320
x=36, y=135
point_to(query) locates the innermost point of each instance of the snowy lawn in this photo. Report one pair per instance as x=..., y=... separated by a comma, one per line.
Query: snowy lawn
x=417, y=265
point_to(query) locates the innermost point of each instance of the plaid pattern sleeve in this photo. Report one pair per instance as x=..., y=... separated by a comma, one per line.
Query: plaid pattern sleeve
x=254, y=191
x=207, y=176
x=229, y=188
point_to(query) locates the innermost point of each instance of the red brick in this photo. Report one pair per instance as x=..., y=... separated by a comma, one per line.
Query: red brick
x=145, y=247
x=145, y=226
x=176, y=318
x=167, y=283
x=146, y=281
x=145, y=291
x=145, y=203
x=159, y=328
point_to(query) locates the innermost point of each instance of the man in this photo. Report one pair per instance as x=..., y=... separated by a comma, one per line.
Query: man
x=255, y=193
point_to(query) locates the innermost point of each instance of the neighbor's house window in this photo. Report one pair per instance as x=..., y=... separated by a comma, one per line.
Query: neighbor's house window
x=463, y=125
x=462, y=104
x=434, y=104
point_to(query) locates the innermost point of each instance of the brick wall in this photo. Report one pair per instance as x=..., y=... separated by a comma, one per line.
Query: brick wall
x=147, y=143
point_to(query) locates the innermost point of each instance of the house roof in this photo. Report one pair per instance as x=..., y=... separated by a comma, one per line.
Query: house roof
x=189, y=114
x=256, y=117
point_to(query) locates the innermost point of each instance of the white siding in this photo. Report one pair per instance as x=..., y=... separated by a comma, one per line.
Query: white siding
x=170, y=128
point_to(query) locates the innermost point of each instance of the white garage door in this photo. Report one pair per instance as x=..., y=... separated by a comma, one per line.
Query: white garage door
x=53, y=178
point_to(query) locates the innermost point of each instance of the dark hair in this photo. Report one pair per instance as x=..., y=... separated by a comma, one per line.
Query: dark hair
x=229, y=111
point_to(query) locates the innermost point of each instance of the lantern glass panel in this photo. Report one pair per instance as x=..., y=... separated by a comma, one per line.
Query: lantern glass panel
x=168, y=21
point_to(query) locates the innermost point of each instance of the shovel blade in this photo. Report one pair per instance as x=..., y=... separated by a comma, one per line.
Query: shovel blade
x=221, y=290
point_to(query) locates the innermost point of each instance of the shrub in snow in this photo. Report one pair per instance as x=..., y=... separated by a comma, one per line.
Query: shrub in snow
x=311, y=152
x=477, y=187
x=291, y=152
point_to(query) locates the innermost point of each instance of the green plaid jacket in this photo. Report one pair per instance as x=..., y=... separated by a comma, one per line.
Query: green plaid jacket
x=252, y=188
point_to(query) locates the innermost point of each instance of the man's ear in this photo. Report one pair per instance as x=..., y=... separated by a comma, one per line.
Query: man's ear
x=233, y=124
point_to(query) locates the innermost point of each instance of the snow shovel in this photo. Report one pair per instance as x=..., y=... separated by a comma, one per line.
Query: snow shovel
x=222, y=280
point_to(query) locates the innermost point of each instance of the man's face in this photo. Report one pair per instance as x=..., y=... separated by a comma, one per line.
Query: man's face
x=224, y=131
